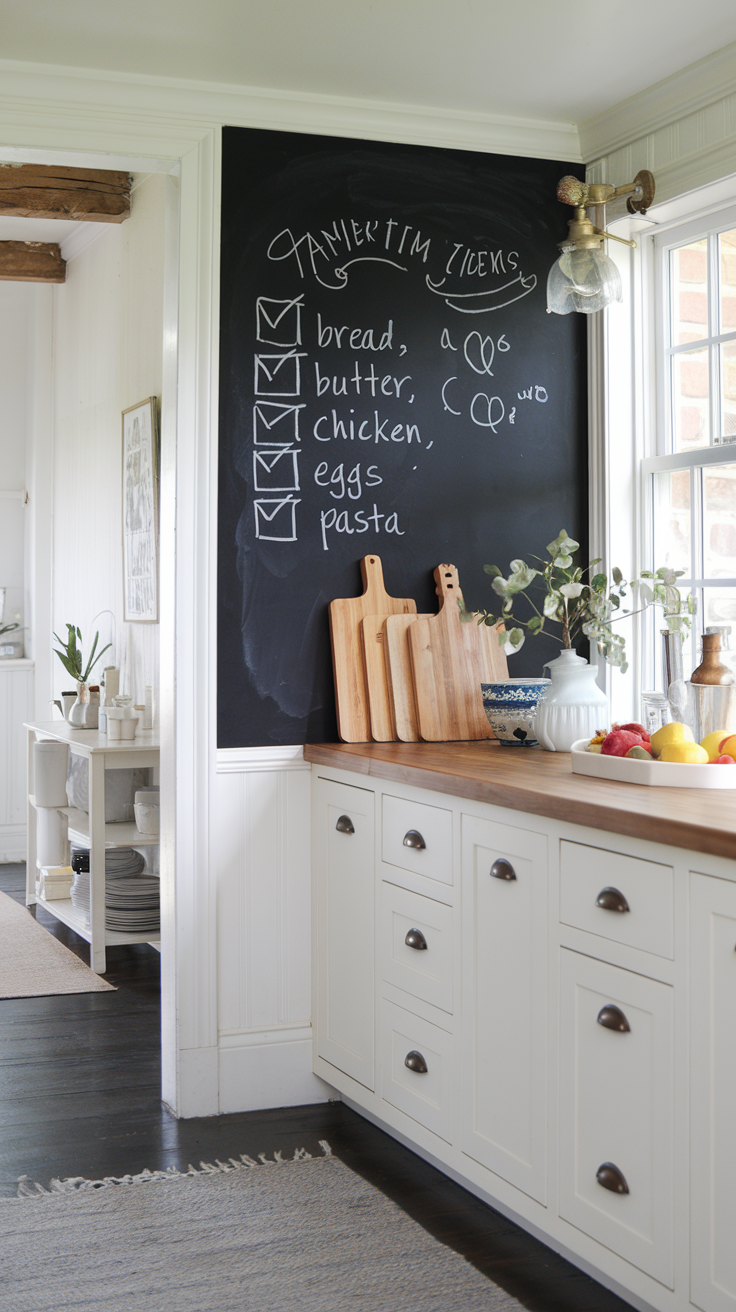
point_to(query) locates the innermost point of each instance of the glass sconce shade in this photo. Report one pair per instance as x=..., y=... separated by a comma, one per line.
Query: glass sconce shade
x=582, y=280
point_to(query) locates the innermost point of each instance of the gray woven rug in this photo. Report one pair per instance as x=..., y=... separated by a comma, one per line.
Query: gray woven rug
x=34, y=964
x=301, y=1236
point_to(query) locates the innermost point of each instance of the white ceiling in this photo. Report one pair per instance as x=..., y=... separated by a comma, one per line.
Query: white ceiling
x=563, y=61
x=59, y=230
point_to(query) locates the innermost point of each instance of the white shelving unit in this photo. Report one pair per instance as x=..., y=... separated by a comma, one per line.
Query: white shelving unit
x=90, y=830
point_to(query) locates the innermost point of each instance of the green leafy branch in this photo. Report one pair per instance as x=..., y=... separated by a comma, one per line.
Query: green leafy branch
x=579, y=600
x=71, y=657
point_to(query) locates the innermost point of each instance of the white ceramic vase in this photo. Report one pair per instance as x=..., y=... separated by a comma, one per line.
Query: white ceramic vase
x=573, y=706
x=84, y=712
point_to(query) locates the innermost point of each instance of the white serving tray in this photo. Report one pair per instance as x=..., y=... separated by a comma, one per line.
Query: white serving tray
x=656, y=774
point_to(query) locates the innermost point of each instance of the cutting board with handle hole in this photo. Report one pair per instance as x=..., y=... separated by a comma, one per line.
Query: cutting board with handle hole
x=348, y=663
x=449, y=662
x=400, y=677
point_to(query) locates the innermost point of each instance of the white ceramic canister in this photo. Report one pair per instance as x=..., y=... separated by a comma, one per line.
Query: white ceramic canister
x=49, y=773
x=52, y=847
x=573, y=706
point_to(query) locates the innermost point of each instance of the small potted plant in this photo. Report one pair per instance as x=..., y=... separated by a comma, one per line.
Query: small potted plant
x=83, y=713
x=574, y=602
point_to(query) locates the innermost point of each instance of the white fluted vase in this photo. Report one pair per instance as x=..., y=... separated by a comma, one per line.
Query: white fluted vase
x=573, y=706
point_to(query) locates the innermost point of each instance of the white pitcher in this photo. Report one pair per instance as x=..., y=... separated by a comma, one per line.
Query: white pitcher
x=573, y=706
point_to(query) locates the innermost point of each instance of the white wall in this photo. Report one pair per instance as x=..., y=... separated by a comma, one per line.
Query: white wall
x=16, y=306
x=107, y=356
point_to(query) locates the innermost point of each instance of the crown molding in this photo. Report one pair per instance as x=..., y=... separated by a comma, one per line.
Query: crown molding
x=691, y=89
x=50, y=105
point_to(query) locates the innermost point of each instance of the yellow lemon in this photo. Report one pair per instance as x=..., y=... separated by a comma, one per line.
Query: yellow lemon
x=712, y=743
x=670, y=733
x=686, y=753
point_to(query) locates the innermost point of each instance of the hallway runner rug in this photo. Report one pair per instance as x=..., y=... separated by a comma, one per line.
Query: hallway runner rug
x=302, y=1236
x=34, y=964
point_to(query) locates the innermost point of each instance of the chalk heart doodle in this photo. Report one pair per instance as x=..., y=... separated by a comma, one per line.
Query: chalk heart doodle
x=484, y=410
x=480, y=351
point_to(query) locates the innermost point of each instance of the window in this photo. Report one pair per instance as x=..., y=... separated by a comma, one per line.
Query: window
x=690, y=477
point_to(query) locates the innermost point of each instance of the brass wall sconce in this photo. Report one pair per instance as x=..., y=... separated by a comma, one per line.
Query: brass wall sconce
x=585, y=278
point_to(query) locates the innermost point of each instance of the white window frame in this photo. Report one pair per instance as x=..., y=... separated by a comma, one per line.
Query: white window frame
x=623, y=422
x=659, y=453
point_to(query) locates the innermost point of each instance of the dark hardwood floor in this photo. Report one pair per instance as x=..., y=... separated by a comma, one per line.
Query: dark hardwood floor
x=80, y=1096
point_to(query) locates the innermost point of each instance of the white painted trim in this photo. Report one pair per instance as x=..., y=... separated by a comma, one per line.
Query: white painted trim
x=12, y=844
x=685, y=92
x=19, y=663
x=167, y=108
x=272, y=1034
x=242, y=760
x=22, y=495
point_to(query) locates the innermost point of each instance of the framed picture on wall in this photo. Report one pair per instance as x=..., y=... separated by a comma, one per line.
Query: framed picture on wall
x=140, y=512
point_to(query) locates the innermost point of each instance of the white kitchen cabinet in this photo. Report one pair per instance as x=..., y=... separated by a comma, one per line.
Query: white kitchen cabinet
x=713, y=1092
x=504, y=1015
x=16, y=706
x=555, y=1026
x=616, y=1093
x=343, y=823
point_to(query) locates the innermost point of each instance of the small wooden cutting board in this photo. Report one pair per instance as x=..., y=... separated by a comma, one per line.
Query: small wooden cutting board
x=450, y=660
x=400, y=677
x=346, y=614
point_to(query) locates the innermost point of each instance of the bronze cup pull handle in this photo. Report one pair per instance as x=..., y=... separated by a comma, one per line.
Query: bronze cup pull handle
x=611, y=1178
x=345, y=825
x=612, y=1018
x=503, y=869
x=413, y=838
x=415, y=1061
x=611, y=900
x=416, y=939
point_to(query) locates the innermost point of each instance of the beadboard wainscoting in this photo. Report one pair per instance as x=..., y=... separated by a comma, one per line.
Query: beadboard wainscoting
x=16, y=705
x=260, y=862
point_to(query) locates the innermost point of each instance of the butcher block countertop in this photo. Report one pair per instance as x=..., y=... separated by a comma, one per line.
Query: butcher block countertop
x=542, y=783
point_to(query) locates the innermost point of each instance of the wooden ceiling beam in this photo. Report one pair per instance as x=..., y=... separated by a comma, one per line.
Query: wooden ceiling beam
x=41, y=191
x=31, y=261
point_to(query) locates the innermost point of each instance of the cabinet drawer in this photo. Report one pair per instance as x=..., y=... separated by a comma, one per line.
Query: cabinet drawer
x=418, y=838
x=616, y=1094
x=343, y=833
x=423, y=971
x=425, y=1095
x=639, y=894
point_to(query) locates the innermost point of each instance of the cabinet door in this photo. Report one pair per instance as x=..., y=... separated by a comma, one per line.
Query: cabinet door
x=616, y=1093
x=346, y=930
x=713, y=1092
x=504, y=1007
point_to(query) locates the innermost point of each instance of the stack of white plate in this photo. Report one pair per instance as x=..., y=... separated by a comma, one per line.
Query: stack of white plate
x=131, y=897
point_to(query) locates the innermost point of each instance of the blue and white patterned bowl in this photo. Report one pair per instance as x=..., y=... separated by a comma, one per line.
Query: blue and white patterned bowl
x=511, y=707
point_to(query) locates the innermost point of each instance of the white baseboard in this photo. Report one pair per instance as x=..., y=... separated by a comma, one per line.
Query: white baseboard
x=269, y=1068
x=12, y=844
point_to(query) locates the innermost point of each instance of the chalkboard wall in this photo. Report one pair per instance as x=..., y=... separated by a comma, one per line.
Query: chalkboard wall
x=390, y=382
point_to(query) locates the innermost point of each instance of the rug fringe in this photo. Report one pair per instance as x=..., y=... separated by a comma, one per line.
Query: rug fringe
x=28, y=1188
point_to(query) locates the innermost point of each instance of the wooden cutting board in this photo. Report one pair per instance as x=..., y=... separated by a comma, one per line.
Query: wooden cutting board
x=449, y=661
x=351, y=690
x=400, y=677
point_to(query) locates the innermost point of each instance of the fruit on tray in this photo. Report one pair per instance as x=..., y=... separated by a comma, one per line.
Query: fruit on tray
x=728, y=745
x=619, y=741
x=684, y=752
x=634, y=728
x=712, y=742
x=668, y=734
x=722, y=760
x=639, y=753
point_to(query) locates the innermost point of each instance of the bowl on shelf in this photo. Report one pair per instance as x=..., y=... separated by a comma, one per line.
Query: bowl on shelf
x=511, y=706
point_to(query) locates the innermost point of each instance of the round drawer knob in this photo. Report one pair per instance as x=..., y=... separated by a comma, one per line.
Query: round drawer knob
x=415, y=1062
